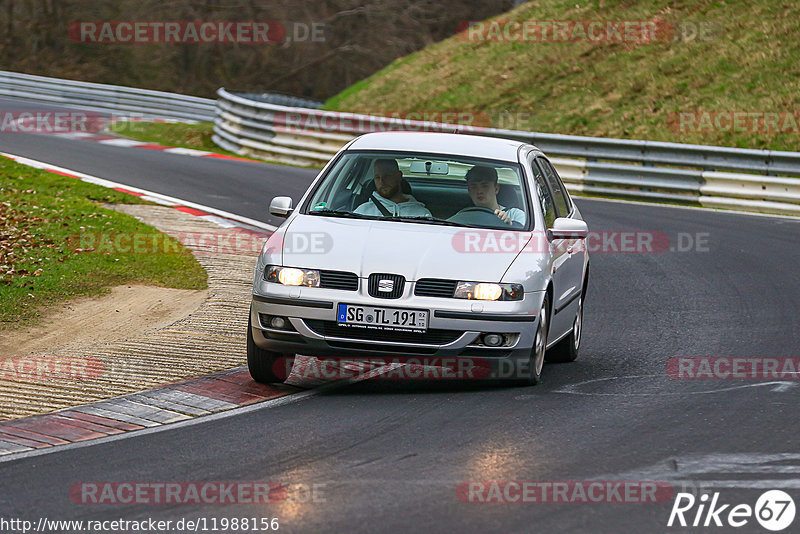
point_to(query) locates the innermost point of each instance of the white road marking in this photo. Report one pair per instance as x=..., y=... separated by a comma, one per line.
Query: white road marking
x=122, y=142
x=76, y=135
x=721, y=470
x=225, y=223
x=159, y=201
x=778, y=386
x=187, y=151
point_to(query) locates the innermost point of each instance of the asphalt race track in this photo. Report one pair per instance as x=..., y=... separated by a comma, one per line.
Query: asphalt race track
x=388, y=456
x=218, y=183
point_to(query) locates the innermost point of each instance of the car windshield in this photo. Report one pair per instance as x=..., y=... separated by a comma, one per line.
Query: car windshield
x=418, y=188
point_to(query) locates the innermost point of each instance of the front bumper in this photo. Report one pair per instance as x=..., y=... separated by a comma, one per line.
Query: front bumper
x=454, y=328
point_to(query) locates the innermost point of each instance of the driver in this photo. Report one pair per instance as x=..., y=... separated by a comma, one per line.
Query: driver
x=388, y=191
x=483, y=188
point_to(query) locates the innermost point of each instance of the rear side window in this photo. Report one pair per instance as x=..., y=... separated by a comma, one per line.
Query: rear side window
x=560, y=196
x=544, y=196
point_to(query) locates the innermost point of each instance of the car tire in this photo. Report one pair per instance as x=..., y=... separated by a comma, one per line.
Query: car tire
x=261, y=363
x=533, y=374
x=566, y=350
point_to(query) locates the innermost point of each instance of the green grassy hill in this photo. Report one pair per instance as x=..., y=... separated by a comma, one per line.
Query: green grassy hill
x=748, y=60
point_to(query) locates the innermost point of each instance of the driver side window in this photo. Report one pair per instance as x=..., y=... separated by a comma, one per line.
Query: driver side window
x=544, y=195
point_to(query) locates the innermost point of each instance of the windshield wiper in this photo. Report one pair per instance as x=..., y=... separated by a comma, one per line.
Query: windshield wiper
x=433, y=220
x=341, y=213
x=415, y=218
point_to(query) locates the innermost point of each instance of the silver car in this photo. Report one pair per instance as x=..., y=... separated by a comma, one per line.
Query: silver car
x=429, y=248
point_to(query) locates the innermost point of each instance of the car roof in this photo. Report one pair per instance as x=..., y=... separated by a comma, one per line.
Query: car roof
x=441, y=143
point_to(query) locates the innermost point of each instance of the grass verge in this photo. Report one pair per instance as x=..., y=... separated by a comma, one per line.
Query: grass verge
x=176, y=134
x=196, y=136
x=712, y=59
x=43, y=217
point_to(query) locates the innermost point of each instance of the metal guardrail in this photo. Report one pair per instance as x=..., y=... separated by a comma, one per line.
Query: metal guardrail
x=264, y=126
x=112, y=99
x=744, y=179
x=281, y=100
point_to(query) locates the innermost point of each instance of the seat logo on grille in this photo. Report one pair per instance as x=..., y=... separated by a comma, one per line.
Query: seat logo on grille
x=386, y=286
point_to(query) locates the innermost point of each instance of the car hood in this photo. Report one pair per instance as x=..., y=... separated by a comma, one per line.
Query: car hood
x=411, y=249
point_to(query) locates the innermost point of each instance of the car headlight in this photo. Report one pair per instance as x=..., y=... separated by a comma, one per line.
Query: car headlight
x=488, y=291
x=291, y=276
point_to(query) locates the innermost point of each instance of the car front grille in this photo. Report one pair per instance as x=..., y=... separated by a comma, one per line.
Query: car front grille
x=338, y=280
x=378, y=282
x=430, y=337
x=434, y=287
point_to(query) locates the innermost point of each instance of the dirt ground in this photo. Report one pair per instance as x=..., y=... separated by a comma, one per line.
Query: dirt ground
x=85, y=350
x=126, y=312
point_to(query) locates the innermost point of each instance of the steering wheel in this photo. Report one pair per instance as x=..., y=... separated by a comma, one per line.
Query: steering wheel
x=477, y=208
x=481, y=216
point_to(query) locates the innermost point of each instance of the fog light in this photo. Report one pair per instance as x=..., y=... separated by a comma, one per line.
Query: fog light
x=492, y=340
x=278, y=322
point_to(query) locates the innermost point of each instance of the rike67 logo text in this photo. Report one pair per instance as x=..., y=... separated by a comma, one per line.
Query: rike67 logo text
x=774, y=510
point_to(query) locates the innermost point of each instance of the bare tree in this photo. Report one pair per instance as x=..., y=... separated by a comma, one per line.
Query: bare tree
x=358, y=38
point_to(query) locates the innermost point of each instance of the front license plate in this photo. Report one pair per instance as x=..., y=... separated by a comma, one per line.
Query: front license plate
x=382, y=318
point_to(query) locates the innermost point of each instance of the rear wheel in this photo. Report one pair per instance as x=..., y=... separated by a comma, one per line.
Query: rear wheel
x=266, y=366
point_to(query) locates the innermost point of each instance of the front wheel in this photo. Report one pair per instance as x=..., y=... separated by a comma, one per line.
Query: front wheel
x=567, y=349
x=266, y=366
x=533, y=374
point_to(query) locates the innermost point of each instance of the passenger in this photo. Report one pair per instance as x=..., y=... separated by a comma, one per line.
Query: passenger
x=388, y=191
x=483, y=188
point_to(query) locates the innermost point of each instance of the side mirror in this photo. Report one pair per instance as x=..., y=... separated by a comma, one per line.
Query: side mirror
x=281, y=207
x=564, y=228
